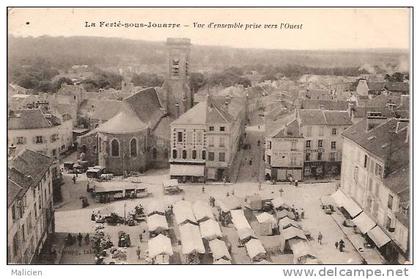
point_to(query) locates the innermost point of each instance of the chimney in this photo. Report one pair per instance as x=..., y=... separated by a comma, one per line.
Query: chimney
x=374, y=119
x=350, y=108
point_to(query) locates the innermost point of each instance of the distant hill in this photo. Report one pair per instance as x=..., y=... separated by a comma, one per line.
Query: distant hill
x=63, y=52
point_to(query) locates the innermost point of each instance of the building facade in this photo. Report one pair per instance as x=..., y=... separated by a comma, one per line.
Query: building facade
x=204, y=142
x=39, y=131
x=30, y=205
x=284, y=153
x=322, y=131
x=376, y=175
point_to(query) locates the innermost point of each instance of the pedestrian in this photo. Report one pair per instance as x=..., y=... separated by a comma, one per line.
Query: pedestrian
x=87, y=187
x=74, y=179
x=227, y=194
x=138, y=252
x=320, y=238
x=250, y=162
x=80, y=238
x=259, y=186
x=203, y=189
x=281, y=192
x=296, y=183
x=233, y=192
x=87, y=239
x=141, y=237
x=336, y=245
x=302, y=214
x=341, y=245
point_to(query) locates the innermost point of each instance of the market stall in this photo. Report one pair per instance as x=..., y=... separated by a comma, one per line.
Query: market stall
x=238, y=219
x=266, y=223
x=287, y=222
x=183, y=212
x=157, y=223
x=191, y=239
x=210, y=230
x=255, y=250
x=155, y=207
x=289, y=236
x=279, y=203
x=159, y=247
x=202, y=211
x=302, y=252
x=219, y=250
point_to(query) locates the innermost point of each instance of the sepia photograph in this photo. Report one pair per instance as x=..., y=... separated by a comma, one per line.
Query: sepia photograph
x=225, y=136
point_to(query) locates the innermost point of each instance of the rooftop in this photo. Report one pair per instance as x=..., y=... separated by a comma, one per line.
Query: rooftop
x=30, y=119
x=324, y=117
x=291, y=130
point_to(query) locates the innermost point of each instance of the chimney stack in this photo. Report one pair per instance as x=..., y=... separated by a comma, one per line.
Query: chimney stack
x=374, y=119
x=11, y=151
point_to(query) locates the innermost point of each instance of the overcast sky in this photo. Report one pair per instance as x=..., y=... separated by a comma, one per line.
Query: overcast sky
x=321, y=28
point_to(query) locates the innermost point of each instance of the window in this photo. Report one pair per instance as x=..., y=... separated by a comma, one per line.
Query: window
x=211, y=141
x=269, y=145
x=203, y=155
x=211, y=128
x=307, y=171
x=390, y=201
x=211, y=156
x=54, y=152
x=115, y=148
x=20, y=140
x=309, y=131
x=378, y=170
x=356, y=174
x=333, y=145
x=133, y=147
x=307, y=156
x=15, y=244
x=189, y=137
x=319, y=143
x=269, y=159
x=154, y=153
x=166, y=153
x=293, y=160
x=184, y=154
x=308, y=144
x=334, y=131
x=194, y=154
x=180, y=136
x=222, y=128
x=332, y=156
x=199, y=137
x=221, y=142
x=294, y=146
x=221, y=156
x=321, y=131
x=23, y=232
x=174, y=154
x=39, y=139
x=365, y=164
x=319, y=156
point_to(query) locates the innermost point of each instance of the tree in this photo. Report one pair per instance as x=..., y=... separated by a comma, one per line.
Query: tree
x=147, y=80
x=197, y=80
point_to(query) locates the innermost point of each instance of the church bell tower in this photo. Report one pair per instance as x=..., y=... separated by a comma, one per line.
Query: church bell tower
x=177, y=93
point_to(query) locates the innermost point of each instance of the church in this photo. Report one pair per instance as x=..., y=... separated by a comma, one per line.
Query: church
x=137, y=138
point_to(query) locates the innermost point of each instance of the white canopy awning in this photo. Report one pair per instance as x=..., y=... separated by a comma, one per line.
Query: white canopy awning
x=301, y=249
x=202, y=211
x=157, y=222
x=191, y=239
x=219, y=250
x=238, y=219
x=160, y=245
x=266, y=218
x=186, y=170
x=278, y=202
x=229, y=203
x=254, y=248
x=292, y=232
x=378, y=236
x=349, y=204
x=210, y=229
x=183, y=212
x=287, y=222
x=364, y=223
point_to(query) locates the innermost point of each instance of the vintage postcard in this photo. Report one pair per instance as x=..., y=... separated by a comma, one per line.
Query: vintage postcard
x=209, y=136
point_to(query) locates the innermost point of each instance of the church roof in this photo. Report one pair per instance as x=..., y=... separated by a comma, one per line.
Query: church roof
x=124, y=122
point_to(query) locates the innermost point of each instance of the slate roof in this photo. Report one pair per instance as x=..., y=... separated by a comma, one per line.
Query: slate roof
x=124, y=122
x=25, y=170
x=382, y=100
x=146, y=106
x=291, y=130
x=325, y=104
x=377, y=140
x=205, y=112
x=391, y=86
x=101, y=109
x=323, y=117
x=30, y=119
